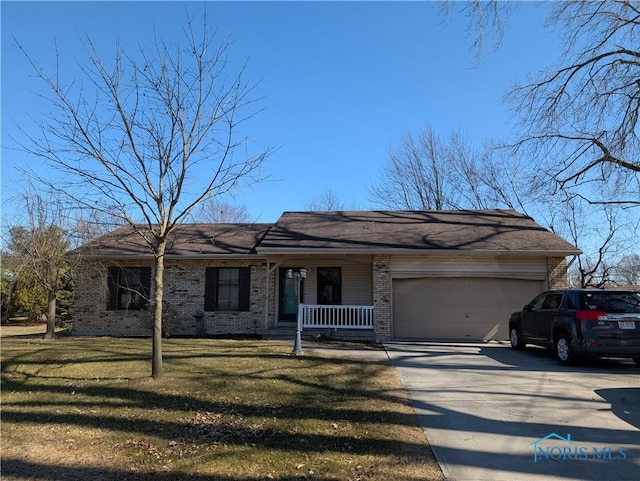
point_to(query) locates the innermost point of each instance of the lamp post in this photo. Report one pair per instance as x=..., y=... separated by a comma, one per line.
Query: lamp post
x=298, y=275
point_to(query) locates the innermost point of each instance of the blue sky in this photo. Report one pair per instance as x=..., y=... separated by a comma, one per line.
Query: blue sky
x=340, y=82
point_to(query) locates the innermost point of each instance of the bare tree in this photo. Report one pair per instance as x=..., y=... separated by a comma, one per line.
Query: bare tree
x=427, y=172
x=328, y=201
x=628, y=270
x=595, y=234
x=149, y=137
x=217, y=211
x=37, y=250
x=486, y=20
x=91, y=224
x=581, y=119
x=578, y=120
x=503, y=182
x=416, y=175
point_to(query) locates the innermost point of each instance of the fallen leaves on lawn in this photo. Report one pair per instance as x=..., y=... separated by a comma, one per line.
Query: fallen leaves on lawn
x=221, y=427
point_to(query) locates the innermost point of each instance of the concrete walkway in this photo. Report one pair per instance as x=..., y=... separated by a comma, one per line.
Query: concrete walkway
x=495, y=414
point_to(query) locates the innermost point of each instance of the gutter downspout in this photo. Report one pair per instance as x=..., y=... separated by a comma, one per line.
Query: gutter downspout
x=569, y=264
x=572, y=261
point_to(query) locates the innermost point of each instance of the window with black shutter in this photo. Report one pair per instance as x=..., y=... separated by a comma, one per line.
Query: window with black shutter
x=227, y=288
x=129, y=287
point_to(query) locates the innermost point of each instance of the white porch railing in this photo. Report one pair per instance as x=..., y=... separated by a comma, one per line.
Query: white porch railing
x=336, y=317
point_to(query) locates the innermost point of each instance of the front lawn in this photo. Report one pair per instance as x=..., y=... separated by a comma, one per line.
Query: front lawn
x=87, y=409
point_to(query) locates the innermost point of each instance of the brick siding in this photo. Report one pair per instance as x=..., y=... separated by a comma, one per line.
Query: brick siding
x=381, y=297
x=557, y=273
x=183, y=291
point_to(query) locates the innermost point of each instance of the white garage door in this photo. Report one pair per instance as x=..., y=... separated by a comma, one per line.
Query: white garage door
x=458, y=308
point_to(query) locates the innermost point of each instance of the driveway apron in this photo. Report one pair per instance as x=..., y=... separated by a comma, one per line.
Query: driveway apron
x=492, y=413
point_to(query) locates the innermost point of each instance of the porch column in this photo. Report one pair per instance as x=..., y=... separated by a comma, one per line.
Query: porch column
x=381, y=297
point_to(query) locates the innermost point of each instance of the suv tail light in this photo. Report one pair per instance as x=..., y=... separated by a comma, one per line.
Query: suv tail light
x=585, y=315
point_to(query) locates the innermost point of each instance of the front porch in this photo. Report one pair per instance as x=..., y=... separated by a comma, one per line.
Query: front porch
x=314, y=316
x=347, y=323
x=337, y=297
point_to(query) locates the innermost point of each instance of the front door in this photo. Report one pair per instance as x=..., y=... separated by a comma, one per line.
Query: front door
x=289, y=297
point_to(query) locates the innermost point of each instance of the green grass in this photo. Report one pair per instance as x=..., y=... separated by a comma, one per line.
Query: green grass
x=87, y=409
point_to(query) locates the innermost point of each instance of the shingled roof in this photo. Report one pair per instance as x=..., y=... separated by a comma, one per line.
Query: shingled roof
x=187, y=240
x=492, y=231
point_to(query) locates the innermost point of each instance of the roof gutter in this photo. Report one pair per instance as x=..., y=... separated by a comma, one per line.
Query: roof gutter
x=406, y=251
x=175, y=256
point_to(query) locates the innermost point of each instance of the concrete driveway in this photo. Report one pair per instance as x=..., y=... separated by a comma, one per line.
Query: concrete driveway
x=492, y=413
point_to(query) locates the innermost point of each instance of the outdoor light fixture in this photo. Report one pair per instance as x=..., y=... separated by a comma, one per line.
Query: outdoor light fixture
x=299, y=275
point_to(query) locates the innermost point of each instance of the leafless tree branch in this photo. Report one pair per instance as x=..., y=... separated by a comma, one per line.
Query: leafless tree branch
x=150, y=136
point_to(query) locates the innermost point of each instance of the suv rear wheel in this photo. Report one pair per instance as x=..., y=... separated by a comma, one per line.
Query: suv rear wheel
x=515, y=338
x=564, y=353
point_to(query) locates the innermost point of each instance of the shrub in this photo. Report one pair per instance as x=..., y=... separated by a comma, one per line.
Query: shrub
x=171, y=318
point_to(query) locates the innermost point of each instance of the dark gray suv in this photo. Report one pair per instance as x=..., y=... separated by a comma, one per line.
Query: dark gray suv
x=580, y=322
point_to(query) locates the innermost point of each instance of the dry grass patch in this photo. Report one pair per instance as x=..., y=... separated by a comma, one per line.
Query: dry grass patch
x=86, y=409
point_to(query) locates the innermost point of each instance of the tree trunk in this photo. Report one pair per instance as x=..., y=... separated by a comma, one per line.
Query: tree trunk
x=156, y=363
x=51, y=315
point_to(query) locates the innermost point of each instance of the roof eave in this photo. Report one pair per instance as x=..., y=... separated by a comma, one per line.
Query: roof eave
x=406, y=251
x=174, y=256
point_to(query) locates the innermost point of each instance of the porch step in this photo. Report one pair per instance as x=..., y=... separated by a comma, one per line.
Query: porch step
x=281, y=334
x=287, y=333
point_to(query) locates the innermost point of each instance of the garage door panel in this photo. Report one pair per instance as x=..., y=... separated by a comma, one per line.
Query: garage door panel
x=458, y=308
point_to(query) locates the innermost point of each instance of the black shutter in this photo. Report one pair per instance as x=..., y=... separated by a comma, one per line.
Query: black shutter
x=112, y=288
x=145, y=281
x=244, y=277
x=211, y=289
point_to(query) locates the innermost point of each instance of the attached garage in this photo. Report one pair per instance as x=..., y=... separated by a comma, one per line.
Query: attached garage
x=461, y=296
x=458, y=308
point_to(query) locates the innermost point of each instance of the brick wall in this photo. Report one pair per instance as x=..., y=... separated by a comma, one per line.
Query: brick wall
x=272, y=298
x=90, y=314
x=557, y=272
x=381, y=297
x=183, y=291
